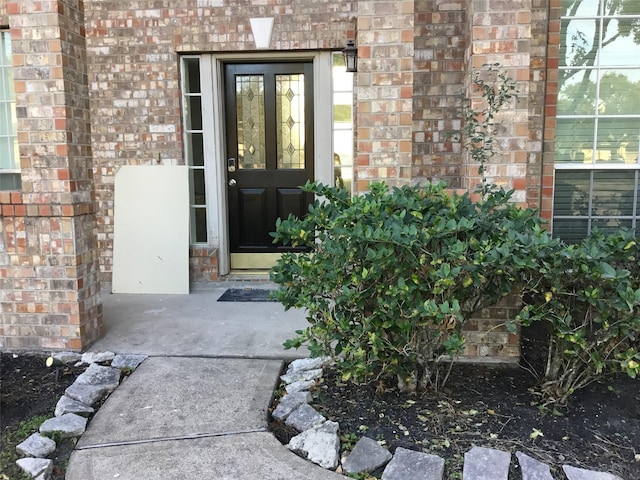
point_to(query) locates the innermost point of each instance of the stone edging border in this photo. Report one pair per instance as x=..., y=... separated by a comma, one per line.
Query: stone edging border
x=318, y=442
x=102, y=376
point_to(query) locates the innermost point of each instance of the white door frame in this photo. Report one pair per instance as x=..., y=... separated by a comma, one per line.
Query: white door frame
x=212, y=67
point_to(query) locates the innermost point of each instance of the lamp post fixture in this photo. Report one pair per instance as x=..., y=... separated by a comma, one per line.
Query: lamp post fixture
x=350, y=53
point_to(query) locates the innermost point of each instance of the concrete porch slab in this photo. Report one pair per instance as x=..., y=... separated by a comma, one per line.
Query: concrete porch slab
x=198, y=325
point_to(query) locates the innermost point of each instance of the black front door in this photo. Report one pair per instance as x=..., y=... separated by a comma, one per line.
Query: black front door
x=269, y=128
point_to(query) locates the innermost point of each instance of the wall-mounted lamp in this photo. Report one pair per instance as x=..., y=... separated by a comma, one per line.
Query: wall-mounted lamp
x=350, y=53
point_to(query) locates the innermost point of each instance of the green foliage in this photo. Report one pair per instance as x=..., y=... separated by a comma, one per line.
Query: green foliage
x=392, y=275
x=589, y=296
x=12, y=437
x=495, y=90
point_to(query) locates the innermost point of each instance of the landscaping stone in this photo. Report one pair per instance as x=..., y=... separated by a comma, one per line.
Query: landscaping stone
x=38, y=468
x=307, y=364
x=97, y=375
x=36, y=446
x=128, y=361
x=574, y=473
x=486, y=464
x=366, y=456
x=319, y=445
x=302, y=375
x=68, y=425
x=97, y=357
x=69, y=405
x=289, y=403
x=67, y=358
x=87, y=394
x=411, y=465
x=299, y=386
x=533, y=469
x=304, y=417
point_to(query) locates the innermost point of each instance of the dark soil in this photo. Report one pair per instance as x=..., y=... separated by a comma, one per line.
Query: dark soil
x=29, y=392
x=492, y=407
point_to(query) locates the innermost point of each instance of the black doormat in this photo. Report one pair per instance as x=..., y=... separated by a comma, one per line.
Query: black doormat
x=246, y=295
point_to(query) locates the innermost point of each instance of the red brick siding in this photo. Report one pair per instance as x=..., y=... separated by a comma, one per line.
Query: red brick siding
x=440, y=40
x=384, y=93
x=50, y=296
x=134, y=73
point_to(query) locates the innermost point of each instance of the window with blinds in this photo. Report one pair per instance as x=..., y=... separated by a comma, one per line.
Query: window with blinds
x=9, y=157
x=598, y=118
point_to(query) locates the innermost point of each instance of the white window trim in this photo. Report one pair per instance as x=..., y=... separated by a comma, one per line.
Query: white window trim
x=211, y=80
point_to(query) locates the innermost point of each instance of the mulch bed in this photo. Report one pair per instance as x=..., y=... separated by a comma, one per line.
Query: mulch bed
x=30, y=389
x=492, y=407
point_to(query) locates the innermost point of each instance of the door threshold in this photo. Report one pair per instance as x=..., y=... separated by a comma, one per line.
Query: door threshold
x=253, y=262
x=261, y=276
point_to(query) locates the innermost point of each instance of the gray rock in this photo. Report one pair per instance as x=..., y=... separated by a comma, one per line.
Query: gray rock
x=574, y=473
x=328, y=427
x=308, y=364
x=39, y=468
x=304, y=417
x=97, y=375
x=97, y=357
x=67, y=358
x=289, y=403
x=486, y=464
x=128, y=361
x=87, y=394
x=301, y=375
x=36, y=446
x=319, y=445
x=299, y=386
x=366, y=456
x=68, y=425
x=411, y=465
x=533, y=469
x=69, y=405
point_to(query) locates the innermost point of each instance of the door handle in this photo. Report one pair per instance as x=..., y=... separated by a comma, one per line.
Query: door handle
x=231, y=165
x=232, y=182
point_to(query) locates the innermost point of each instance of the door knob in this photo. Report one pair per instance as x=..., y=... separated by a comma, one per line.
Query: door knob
x=232, y=182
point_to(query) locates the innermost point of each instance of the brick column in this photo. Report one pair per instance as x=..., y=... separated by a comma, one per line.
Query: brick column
x=384, y=92
x=49, y=267
x=501, y=33
x=440, y=41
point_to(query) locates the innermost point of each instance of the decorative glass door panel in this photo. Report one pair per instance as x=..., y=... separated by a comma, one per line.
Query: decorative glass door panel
x=290, y=121
x=250, y=121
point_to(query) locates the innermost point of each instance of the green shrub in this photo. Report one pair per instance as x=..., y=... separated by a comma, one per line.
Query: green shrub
x=392, y=275
x=588, y=295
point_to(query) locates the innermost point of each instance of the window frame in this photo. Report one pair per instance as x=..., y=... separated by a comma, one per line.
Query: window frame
x=8, y=98
x=594, y=166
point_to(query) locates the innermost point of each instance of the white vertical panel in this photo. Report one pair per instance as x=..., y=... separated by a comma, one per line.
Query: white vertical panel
x=151, y=230
x=323, y=110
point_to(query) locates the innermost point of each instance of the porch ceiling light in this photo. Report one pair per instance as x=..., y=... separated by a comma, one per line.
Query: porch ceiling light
x=350, y=53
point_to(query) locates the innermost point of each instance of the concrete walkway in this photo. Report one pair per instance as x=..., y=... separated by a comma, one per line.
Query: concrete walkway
x=197, y=408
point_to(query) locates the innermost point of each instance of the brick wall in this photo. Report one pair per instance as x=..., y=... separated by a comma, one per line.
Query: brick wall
x=415, y=61
x=133, y=51
x=488, y=338
x=384, y=92
x=50, y=295
x=439, y=71
x=501, y=34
